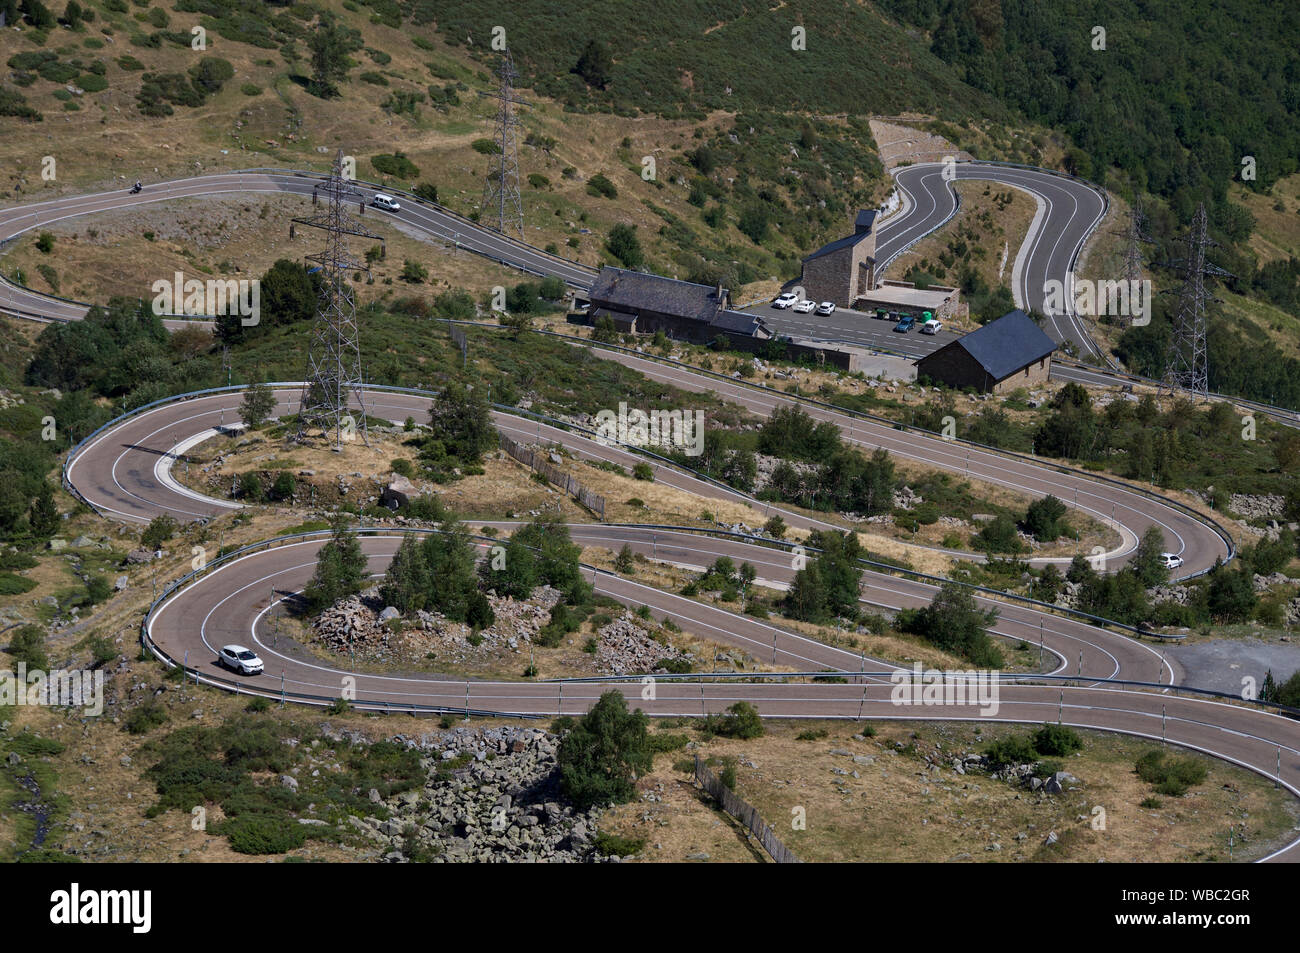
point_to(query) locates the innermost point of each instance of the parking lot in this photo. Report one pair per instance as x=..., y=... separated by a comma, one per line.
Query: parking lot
x=855, y=327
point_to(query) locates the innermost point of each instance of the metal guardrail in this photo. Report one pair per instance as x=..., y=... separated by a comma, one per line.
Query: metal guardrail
x=898, y=425
x=1073, y=471
x=468, y=222
x=185, y=581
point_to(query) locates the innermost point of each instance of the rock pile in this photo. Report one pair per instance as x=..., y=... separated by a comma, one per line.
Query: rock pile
x=625, y=648
x=492, y=795
x=362, y=624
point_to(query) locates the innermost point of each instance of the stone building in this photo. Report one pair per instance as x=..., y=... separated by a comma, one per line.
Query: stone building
x=644, y=303
x=1005, y=354
x=846, y=268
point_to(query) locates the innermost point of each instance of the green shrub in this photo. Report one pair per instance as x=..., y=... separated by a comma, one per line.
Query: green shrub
x=613, y=845
x=1057, y=740
x=1170, y=776
x=1014, y=749
x=600, y=185
x=262, y=834
x=144, y=718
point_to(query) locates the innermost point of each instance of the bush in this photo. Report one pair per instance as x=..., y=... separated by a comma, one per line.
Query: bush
x=160, y=529
x=1014, y=749
x=643, y=471
x=396, y=165
x=741, y=720
x=144, y=718
x=28, y=645
x=601, y=757
x=613, y=845
x=45, y=243
x=600, y=185
x=1170, y=776
x=262, y=834
x=1057, y=740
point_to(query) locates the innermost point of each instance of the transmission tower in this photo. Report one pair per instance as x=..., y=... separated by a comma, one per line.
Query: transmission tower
x=1136, y=237
x=334, y=353
x=1186, y=365
x=502, y=207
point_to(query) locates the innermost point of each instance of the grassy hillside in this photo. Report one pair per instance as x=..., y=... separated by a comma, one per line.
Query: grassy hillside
x=702, y=55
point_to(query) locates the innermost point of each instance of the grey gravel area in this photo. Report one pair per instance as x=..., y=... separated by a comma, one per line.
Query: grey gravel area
x=1220, y=665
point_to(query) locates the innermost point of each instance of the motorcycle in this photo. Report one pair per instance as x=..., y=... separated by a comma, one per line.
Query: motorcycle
x=137, y=189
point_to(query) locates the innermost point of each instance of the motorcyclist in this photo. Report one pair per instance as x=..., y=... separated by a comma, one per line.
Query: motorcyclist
x=137, y=187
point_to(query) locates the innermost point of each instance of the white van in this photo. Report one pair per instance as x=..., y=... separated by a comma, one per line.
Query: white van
x=386, y=202
x=932, y=327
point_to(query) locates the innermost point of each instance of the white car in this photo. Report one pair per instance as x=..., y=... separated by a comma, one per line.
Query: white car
x=1171, y=560
x=932, y=327
x=386, y=202
x=239, y=659
x=826, y=307
x=805, y=306
x=784, y=300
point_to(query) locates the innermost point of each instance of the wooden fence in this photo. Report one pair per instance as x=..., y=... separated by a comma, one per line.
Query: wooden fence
x=743, y=812
x=554, y=475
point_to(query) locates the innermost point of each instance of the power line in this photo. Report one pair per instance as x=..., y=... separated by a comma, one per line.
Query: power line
x=1186, y=360
x=503, y=208
x=334, y=353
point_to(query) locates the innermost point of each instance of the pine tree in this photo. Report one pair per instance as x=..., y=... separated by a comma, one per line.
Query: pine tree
x=45, y=513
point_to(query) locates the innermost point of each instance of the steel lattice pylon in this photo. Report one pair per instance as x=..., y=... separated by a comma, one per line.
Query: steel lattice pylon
x=1186, y=361
x=502, y=206
x=333, y=375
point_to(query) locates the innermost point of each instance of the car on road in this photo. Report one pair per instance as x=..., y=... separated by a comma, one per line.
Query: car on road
x=826, y=307
x=932, y=327
x=906, y=324
x=386, y=202
x=239, y=659
x=1171, y=560
x=784, y=300
x=805, y=306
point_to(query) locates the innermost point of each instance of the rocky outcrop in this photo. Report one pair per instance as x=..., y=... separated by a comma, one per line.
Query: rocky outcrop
x=625, y=648
x=491, y=796
x=364, y=626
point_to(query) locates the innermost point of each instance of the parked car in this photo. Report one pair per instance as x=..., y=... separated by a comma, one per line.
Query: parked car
x=906, y=324
x=805, y=306
x=1171, y=560
x=784, y=300
x=386, y=202
x=826, y=307
x=932, y=326
x=239, y=659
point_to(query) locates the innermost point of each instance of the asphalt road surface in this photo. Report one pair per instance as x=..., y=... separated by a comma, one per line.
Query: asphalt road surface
x=125, y=471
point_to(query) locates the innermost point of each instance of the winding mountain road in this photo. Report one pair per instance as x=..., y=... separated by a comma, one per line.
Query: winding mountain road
x=124, y=472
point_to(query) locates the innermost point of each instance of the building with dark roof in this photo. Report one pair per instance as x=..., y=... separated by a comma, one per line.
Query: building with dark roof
x=1005, y=354
x=845, y=268
x=639, y=302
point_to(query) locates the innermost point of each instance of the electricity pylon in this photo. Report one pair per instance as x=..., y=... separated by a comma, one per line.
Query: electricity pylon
x=503, y=209
x=333, y=375
x=1186, y=360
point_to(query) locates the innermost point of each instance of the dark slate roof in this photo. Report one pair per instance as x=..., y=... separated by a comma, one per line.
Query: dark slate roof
x=635, y=291
x=1004, y=346
x=861, y=229
x=738, y=322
